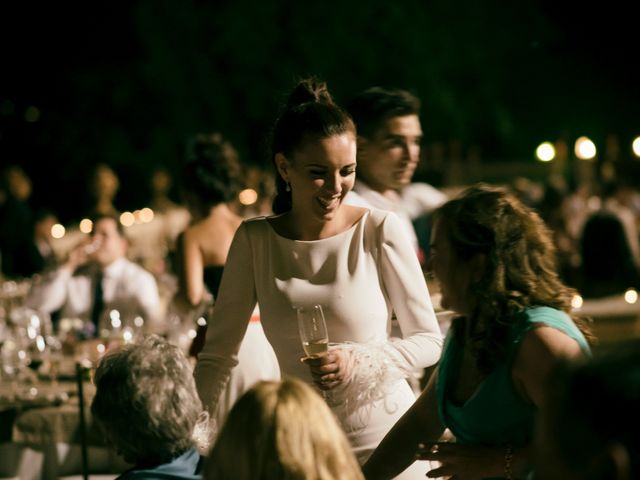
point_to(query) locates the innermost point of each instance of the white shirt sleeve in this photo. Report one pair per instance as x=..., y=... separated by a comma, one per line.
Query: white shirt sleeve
x=148, y=299
x=51, y=294
x=233, y=308
x=421, y=198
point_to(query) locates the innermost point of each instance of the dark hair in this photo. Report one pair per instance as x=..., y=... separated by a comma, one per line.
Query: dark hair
x=375, y=105
x=607, y=262
x=107, y=216
x=43, y=213
x=520, y=270
x=309, y=112
x=212, y=172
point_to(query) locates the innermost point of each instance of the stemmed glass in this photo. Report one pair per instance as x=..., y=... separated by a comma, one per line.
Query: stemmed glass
x=313, y=330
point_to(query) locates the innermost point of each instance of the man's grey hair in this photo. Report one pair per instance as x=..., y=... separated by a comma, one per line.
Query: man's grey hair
x=146, y=401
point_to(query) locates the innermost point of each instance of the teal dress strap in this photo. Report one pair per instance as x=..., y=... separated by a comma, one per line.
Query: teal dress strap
x=496, y=414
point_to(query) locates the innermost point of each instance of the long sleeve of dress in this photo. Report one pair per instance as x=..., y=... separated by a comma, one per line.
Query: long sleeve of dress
x=406, y=287
x=375, y=367
x=234, y=305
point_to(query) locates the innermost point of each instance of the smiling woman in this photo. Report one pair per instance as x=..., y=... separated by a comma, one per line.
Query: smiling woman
x=316, y=250
x=319, y=175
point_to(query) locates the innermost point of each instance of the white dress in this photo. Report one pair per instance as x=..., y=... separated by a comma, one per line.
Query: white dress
x=359, y=277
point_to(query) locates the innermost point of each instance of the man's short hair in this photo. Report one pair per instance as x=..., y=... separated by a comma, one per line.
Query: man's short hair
x=375, y=105
x=106, y=216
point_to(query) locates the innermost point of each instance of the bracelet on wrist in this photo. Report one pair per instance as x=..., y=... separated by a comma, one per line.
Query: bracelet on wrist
x=508, y=463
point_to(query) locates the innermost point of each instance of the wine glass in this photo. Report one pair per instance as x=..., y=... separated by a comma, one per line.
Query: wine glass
x=313, y=330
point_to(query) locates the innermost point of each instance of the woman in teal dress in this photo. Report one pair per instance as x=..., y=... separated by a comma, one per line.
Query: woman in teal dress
x=495, y=263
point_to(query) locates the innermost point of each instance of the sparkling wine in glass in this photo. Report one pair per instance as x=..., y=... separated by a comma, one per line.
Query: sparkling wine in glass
x=313, y=330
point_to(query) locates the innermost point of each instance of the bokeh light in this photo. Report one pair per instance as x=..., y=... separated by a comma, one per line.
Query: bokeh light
x=635, y=146
x=32, y=114
x=146, y=215
x=58, y=231
x=585, y=149
x=631, y=296
x=546, y=152
x=127, y=219
x=86, y=225
x=576, y=302
x=248, y=196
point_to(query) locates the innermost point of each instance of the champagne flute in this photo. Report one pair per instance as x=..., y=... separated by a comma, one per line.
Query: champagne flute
x=313, y=330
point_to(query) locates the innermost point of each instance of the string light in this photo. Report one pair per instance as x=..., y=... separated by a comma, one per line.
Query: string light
x=585, y=149
x=58, y=231
x=86, y=225
x=248, y=196
x=631, y=296
x=576, y=302
x=546, y=152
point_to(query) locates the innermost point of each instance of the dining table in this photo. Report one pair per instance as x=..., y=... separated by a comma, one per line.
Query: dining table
x=41, y=433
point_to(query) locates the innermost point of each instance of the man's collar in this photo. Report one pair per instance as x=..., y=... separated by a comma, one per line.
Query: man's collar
x=115, y=267
x=376, y=198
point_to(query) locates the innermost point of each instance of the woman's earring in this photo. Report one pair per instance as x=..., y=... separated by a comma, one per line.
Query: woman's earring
x=287, y=187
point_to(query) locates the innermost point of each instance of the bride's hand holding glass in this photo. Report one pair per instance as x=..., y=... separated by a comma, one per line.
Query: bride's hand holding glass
x=329, y=370
x=328, y=366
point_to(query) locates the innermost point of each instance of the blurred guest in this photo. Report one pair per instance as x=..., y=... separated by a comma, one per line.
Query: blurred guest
x=617, y=197
x=39, y=255
x=211, y=179
x=607, y=265
x=552, y=213
x=279, y=431
x=577, y=206
x=16, y=222
x=530, y=193
x=316, y=249
x=587, y=429
x=103, y=189
x=389, y=138
x=98, y=278
x=147, y=405
x=494, y=260
x=160, y=184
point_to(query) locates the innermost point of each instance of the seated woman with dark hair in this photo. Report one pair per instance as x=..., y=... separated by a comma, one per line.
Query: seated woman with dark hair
x=147, y=405
x=282, y=431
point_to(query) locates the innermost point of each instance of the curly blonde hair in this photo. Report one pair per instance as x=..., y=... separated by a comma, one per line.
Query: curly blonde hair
x=520, y=269
x=282, y=431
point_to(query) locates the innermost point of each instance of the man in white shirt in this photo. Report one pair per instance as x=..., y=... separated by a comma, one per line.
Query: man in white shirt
x=389, y=136
x=97, y=279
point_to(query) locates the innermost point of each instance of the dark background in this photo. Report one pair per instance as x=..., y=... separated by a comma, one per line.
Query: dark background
x=125, y=83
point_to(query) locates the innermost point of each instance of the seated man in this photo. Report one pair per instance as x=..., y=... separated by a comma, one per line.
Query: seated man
x=98, y=278
x=389, y=136
x=147, y=405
